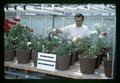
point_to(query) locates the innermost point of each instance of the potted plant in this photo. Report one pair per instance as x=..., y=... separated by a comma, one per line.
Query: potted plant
x=96, y=40
x=18, y=33
x=22, y=52
x=108, y=62
x=21, y=36
x=62, y=49
x=110, y=39
x=63, y=53
x=37, y=46
x=9, y=51
x=106, y=37
x=88, y=57
x=101, y=52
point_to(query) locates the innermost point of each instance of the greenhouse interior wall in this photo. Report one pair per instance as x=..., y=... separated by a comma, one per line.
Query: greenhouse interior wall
x=43, y=24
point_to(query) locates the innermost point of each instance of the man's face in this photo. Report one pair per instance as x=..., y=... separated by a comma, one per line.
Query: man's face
x=78, y=21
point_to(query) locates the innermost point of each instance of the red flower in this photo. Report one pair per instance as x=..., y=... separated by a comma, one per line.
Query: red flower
x=7, y=25
x=31, y=30
x=104, y=33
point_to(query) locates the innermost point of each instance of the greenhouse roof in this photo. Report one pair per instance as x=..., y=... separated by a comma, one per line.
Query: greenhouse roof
x=65, y=9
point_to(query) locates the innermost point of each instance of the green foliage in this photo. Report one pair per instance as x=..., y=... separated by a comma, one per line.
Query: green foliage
x=90, y=52
x=22, y=45
x=89, y=47
x=36, y=43
x=93, y=44
x=19, y=32
x=73, y=47
x=64, y=48
x=51, y=44
x=8, y=42
x=20, y=36
x=105, y=40
x=83, y=45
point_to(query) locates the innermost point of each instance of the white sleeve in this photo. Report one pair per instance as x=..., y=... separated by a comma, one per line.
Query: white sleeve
x=65, y=31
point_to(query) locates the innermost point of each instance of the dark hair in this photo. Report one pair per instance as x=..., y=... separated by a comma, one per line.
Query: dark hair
x=79, y=15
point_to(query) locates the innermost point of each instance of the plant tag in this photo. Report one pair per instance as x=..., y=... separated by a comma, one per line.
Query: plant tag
x=46, y=61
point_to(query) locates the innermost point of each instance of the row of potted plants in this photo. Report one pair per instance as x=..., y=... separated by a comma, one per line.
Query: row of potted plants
x=26, y=45
x=38, y=44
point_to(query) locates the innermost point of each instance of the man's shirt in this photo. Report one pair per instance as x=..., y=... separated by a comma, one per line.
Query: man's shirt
x=72, y=31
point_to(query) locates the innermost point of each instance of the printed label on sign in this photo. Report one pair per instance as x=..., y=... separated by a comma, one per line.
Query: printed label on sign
x=46, y=61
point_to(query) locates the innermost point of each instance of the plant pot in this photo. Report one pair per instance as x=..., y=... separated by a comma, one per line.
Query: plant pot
x=15, y=52
x=107, y=67
x=9, y=54
x=102, y=56
x=62, y=62
x=30, y=58
x=34, y=57
x=77, y=55
x=72, y=58
x=76, y=58
x=14, y=47
x=23, y=56
x=99, y=59
x=104, y=51
x=87, y=66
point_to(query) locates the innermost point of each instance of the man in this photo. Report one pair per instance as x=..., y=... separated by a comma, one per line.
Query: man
x=74, y=31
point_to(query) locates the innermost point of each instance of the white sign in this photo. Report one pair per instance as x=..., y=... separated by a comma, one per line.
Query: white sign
x=46, y=61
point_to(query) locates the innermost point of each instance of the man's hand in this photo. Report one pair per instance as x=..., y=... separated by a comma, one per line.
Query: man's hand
x=76, y=39
x=56, y=31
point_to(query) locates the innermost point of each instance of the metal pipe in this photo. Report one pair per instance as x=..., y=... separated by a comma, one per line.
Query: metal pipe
x=53, y=21
x=114, y=57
